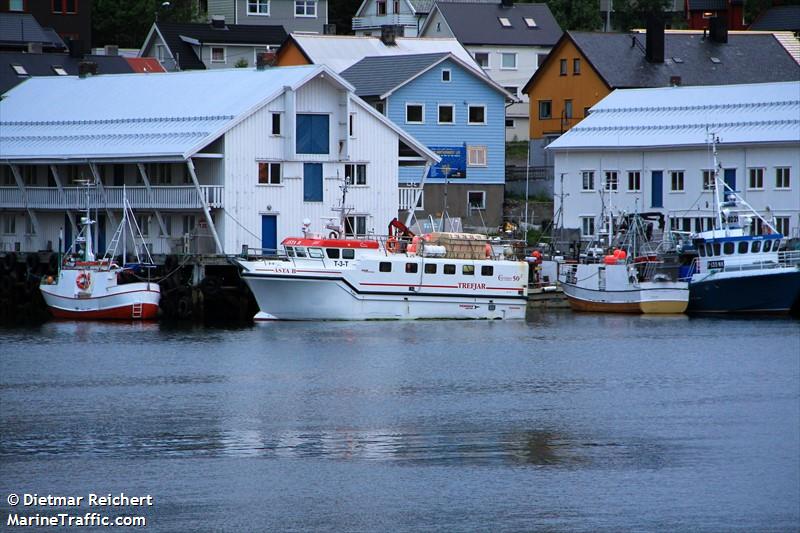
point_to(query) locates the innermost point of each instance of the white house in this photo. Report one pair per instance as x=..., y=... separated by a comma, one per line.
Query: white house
x=406, y=14
x=648, y=150
x=509, y=41
x=210, y=160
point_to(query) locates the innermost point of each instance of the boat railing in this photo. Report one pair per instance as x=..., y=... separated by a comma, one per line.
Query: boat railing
x=789, y=258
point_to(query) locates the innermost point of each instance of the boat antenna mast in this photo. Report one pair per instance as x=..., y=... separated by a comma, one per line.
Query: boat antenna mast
x=714, y=139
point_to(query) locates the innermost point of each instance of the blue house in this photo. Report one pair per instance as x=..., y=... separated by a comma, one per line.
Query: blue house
x=457, y=112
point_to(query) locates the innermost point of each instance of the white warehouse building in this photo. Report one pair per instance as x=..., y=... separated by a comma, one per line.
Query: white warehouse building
x=649, y=150
x=209, y=160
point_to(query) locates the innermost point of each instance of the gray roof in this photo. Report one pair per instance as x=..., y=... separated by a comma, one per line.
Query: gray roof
x=778, y=18
x=422, y=6
x=42, y=65
x=19, y=29
x=478, y=23
x=755, y=58
x=377, y=75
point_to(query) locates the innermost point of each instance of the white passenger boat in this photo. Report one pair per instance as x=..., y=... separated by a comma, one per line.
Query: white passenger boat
x=439, y=276
x=88, y=288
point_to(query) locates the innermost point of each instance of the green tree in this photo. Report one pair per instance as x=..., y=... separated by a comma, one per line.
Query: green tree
x=630, y=14
x=127, y=23
x=576, y=15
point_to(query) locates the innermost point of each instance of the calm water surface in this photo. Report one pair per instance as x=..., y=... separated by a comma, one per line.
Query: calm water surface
x=561, y=423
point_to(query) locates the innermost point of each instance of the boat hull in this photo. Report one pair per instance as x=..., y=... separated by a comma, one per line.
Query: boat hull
x=285, y=298
x=667, y=300
x=774, y=291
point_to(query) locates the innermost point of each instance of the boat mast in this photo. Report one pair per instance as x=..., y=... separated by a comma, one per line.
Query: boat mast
x=88, y=252
x=123, y=224
x=717, y=200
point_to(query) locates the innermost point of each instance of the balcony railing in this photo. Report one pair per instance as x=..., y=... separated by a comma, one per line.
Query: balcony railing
x=375, y=21
x=407, y=195
x=163, y=197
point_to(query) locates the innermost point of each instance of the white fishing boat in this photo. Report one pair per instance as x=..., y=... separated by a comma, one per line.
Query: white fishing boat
x=441, y=275
x=621, y=284
x=88, y=288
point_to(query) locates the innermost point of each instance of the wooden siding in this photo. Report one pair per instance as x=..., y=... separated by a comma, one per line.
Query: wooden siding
x=464, y=89
x=289, y=55
x=585, y=90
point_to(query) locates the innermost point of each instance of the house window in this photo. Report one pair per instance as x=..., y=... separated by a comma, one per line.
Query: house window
x=161, y=52
x=312, y=182
x=189, y=223
x=567, y=108
x=504, y=22
x=355, y=174
x=476, y=199
x=482, y=59
x=508, y=61
x=144, y=224
x=269, y=173
x=313, y=134
x=65, y=6
x=545, y=109
x=563, y=70
x=530, y=22
x=587, y=226
x=512, y=89
x=477, y=114
x=509, y=123
x=782, y=225
x=634, y=181
x=415, y=113
x=708, y=180
x=19, y=70
x=16, y=5
x=9, y=224
x=305, y=8
x=576, y=66
x=351, y=125
x=676, y=181
x=59, y=70
x=258, y=7
x=446, y=74
x=167, y=225
x=782, y=178
x=611, y=182
x=476, y=156
x=276, y=123
x=160, y=173
x=756, y=178
x=588, y=180
x=446, y=114
x=355, y=226
x=217, y=54
x=396, y=6
x=381, y=7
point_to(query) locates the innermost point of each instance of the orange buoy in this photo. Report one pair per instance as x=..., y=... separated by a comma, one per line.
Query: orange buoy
x=610, y=260
x=488, y=250
x=392, y=245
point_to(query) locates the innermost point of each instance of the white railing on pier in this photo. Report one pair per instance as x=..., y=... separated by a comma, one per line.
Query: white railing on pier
x=163, y=197
x=407, y=195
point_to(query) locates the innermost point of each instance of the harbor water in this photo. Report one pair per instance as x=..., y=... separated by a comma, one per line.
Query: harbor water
x=563, y=422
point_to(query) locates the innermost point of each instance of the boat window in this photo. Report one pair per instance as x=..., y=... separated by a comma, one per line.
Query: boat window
x=385, y=266
x=411, y=268
x=468, y=270
x=430, y=268
x=300, y=251
x=290, y=251
x=315, y=253
x=743, y=247
x=449, y=269
x=701, y=250
x=709, y=251
x=728, y=248
x=348, y=254
x=332, y=253
x=767, y=245
x=716, y=248
x=755, y=247
x=487, y=270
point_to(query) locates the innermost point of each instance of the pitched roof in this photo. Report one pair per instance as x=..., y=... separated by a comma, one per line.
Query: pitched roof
x=684, y=116
x=479, y=23
x=380, y=75
x=779, y=18
x=176, y=34
x=339, y=52
x=422, y=6
x=166, y=116
x=19, y=29
x=144, y=64
x=42, y=65
x=745, y=58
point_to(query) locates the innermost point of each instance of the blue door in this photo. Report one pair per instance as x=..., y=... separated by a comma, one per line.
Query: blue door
x=657, y=187
x=269, y=233
x=312, y=182
x=730, y=179
x=67, y=235
x=313, y=134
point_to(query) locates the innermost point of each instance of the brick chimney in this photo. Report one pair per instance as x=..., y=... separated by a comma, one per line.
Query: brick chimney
x=389, y=34
x=218, y=22
x=265, y=60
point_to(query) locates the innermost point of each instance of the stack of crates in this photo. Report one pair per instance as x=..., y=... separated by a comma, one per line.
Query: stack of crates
x=460, y=245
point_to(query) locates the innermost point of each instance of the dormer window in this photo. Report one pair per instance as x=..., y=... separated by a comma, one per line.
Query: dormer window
x=530, y=22
x=59, y=70
x=20, y=70
x=504, y=22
